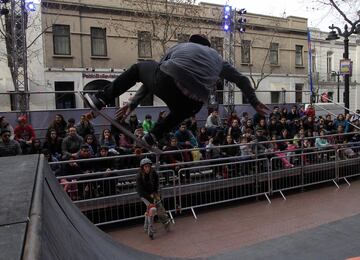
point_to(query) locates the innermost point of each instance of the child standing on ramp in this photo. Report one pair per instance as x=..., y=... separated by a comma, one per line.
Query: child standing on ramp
x=147, y=184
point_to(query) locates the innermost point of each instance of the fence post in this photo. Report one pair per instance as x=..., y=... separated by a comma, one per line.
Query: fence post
x=270, y=174
x=302, y=163
x=337, y=159
x=256, y=168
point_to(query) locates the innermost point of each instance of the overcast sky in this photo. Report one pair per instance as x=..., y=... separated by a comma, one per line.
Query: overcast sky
x=318, y=15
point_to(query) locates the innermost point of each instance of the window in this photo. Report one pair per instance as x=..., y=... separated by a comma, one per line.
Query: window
x=61, y=39
x=299, y=55
x=275, y=97
x=245, y=51
x=329, y=62
x=313, y=61
x=274, y=53
x=98, y=42
x=329, y=68
x=144, y=45
x=218, y=44
x=64, y=100
x=183, y=37
x=298, y=93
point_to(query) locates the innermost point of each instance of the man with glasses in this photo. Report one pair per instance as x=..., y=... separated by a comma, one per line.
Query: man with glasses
x=8, y=147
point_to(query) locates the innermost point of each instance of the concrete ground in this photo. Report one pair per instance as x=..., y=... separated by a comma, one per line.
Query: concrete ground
x=226, y=233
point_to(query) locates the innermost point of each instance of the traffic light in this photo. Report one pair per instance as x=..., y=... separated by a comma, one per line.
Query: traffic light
x=4, y=10
x=227, y=18
x=242, y=21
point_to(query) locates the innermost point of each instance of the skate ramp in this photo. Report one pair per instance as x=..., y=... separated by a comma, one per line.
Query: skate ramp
x=16, y=188
x=39, y=221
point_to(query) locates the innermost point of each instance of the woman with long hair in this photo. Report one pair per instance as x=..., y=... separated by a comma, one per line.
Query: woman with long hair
x=107, y=139
x=53, y=143
x=59, y=124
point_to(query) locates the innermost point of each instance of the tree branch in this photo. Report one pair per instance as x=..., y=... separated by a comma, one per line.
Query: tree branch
x=341, y=12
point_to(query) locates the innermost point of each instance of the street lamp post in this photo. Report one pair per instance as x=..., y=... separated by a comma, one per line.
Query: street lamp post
x=355, y=28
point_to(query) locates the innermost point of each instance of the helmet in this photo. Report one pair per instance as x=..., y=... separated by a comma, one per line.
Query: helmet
x=200, y=39
x=145, y=161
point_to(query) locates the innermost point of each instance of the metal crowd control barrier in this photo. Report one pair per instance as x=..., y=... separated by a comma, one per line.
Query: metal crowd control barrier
x=110, y=196
x=201, y=186
x=348, y=161
x=290, y=171
x=113, y=198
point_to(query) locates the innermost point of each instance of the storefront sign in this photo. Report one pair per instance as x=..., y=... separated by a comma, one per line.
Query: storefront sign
x=100, y=76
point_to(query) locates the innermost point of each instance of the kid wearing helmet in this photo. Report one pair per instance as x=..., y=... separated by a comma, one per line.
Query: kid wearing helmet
x=183, y=79
x=147, y=184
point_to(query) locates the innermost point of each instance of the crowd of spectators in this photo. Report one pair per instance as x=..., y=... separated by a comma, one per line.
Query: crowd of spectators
x=70, y=140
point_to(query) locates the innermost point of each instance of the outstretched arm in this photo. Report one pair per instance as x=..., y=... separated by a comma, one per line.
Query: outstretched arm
x=243, y=83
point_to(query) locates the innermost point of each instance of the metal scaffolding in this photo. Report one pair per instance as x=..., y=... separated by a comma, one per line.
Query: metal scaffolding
x=229, y=56
x=18, y=63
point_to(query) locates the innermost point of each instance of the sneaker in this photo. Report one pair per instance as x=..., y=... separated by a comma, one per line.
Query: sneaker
x=150, y=139
x=167, y=225
x=94, y=101
x=151, y=232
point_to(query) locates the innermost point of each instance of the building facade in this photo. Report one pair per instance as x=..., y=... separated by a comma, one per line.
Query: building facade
x=87, y=43
x=327, y=79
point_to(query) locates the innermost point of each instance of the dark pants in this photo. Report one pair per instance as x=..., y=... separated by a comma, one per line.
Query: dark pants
x=158, y=83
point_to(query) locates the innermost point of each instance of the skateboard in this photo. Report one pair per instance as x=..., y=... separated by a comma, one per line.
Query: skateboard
x=125, y=131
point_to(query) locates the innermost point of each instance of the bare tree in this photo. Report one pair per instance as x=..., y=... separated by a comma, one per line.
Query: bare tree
x=348, y=10
x=265, y=67
x=164, y=19
x=36, y=31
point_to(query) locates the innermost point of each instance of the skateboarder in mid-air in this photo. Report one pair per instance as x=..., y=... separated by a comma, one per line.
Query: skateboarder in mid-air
x=147, y=185
x=183, y=79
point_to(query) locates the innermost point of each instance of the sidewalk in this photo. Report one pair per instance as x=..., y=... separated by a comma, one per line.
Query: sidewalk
x=219, y=231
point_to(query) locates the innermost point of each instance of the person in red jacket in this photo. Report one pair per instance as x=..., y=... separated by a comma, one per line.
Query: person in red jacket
x=310, y=111
x=24, y=133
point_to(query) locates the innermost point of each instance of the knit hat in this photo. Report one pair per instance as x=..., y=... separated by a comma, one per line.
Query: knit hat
x=22, y=119
x=200, y=39
x=4, y=130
